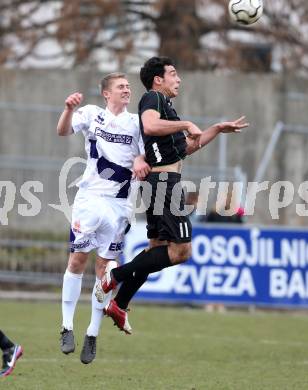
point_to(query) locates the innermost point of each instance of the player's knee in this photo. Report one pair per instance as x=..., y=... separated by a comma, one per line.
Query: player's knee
x=100, y=266
x=180, y=253
x=75, y=267
x=184, y=254
x=77, y=262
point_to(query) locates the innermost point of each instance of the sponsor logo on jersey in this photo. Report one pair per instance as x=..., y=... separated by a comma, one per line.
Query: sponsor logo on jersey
x=100, y=119
x=115, y=138
x=116, y=246
x=81, y=245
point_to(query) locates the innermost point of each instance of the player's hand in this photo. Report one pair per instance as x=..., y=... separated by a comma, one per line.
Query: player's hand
x=193, y=131
x=233, y=127
x=141, y=168
x=73, y=100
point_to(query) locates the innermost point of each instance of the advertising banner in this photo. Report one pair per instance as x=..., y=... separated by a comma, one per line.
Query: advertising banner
x=232, y=265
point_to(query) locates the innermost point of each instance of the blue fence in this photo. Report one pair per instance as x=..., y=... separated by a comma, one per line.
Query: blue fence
x=232, y=265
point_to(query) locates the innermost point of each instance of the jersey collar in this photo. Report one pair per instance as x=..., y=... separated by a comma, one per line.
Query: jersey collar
x=110, y=114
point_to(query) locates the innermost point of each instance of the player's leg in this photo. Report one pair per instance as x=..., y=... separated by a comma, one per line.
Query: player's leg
x=118, y=307
x=110, y=238
x=85, y=219
x=71, y=290
x=130, y=286
x=5, y=342
x=170, y=226
x=157, y=258
x=153, y=260
x=97, y=307
x=88, y=351
x=10, y=354
x=110, y=307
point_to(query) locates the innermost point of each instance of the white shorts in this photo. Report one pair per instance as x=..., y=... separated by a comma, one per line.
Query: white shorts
x=99, y=223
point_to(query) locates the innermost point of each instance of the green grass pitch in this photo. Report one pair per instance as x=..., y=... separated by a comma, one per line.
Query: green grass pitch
x=171, y=349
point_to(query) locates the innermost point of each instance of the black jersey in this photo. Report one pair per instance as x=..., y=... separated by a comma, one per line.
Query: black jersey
x=167, y=149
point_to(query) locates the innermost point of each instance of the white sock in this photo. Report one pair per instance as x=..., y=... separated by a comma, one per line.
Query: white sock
x=70, y=294
x=97, y=313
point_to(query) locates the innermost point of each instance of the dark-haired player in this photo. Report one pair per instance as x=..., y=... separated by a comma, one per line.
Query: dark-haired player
x=168, y=140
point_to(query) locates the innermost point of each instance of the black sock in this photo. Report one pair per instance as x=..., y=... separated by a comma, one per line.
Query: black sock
x=153, y=260
x=5, y=343
x=129, y=288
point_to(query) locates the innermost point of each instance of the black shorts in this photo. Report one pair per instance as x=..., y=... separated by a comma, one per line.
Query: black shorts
x=166, y=219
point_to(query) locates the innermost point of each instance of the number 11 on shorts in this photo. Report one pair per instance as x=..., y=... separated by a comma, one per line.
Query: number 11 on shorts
x=184, y=229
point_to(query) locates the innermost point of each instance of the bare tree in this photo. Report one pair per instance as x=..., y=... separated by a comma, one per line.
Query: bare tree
x=196, y=33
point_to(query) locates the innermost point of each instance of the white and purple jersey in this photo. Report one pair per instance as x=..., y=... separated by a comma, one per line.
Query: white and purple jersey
x=111, y=142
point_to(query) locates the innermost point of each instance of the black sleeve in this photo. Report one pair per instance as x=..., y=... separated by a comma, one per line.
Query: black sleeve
x=150, y=101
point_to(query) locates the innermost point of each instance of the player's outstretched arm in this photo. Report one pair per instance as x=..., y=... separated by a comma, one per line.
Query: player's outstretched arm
x=64, y=126
x=209, y=134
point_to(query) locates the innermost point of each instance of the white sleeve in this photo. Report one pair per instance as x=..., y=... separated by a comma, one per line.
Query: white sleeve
x=141, y=144
x=80, y=120
x=140, y=140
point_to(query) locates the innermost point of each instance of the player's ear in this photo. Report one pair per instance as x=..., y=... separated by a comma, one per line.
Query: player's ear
x=105, y=94
x=157, y=80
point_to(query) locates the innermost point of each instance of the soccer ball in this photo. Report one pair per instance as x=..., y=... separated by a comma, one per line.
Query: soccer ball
x=245, y=11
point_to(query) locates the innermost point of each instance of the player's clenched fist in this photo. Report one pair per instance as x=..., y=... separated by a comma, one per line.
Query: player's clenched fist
x=73, y=100
x=193, y=131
